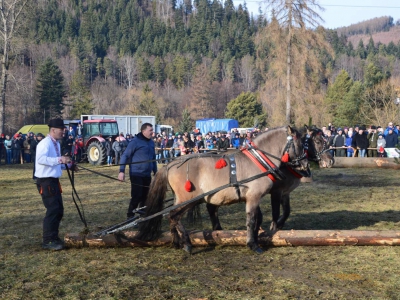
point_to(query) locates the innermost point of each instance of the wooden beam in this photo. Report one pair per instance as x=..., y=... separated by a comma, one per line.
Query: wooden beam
x=238, y=238
x=366, y=162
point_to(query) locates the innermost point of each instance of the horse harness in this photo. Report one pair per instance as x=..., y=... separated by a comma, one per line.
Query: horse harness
x=317, y=154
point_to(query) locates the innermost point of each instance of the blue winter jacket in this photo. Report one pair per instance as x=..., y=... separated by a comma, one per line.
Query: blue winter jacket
x=139, y=149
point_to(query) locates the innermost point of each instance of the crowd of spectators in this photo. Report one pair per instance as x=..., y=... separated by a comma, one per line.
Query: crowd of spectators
x=360, y=141
x=21, y=148
x=169, y=146
x=347, y=141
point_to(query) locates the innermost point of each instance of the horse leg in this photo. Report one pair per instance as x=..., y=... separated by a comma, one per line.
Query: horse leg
x=213, y=212
x=252, y=229
x=285, y=202
x=259, y=218
x=174, y=234
x=180, y=235
x=275, y=206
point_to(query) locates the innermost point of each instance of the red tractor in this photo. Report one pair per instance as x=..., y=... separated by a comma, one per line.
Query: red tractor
x=94, y=136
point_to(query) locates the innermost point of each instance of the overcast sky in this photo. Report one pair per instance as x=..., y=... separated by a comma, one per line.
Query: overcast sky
x=340, y=13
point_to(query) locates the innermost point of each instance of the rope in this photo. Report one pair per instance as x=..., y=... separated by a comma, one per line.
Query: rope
x=74, y=192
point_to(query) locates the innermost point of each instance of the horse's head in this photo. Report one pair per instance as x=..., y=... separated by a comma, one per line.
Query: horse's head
x=295, y=150
x=318, y=150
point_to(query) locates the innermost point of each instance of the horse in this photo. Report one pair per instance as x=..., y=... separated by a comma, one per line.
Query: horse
x=216, y=185
x=317, y=150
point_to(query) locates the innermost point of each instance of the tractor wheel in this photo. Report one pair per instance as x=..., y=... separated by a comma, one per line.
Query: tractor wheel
x=96, y=153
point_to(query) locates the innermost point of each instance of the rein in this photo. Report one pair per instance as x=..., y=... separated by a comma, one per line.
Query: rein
x=193, y=200
x=74, y=192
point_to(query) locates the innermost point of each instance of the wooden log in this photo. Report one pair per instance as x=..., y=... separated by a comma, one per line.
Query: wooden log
x=366, y=162
x=238, y=238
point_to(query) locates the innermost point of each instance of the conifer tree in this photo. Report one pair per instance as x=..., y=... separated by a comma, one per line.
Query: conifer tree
x=50, y=90
x=247, y=110
x=186, y=124
x=80, y=96
x=342, y=100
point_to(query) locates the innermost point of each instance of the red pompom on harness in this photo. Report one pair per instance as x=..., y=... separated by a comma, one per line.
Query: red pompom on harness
x=221, y=163
x=285, y=158
x=188, y=186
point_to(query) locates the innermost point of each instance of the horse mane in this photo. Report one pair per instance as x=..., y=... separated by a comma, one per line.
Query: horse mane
x=265, y=134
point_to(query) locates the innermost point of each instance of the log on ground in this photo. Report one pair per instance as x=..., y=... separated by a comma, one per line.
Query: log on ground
x=238, y=238
x=366, y=162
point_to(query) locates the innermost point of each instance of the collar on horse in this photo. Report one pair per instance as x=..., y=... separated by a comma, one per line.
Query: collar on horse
x=260, y=159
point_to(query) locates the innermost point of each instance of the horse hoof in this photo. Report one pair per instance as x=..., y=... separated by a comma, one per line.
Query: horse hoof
x=258, y=250
x=188, y=249
x=273, y=227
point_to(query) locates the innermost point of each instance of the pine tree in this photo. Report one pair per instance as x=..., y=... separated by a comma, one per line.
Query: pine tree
x=80, y=96
x=50, y=90
x=186, y=124
x=247, y=110
x=148, y=105
x=342, y=103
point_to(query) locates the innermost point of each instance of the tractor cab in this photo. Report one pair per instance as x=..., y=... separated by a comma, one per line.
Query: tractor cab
x=94, y=136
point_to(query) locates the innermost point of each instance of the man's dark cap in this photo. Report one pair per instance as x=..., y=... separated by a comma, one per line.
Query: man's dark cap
x=373, y=127
x=56, y=123
x=40, y=135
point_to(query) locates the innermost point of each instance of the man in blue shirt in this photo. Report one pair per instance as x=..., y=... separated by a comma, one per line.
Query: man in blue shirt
x=140, y=155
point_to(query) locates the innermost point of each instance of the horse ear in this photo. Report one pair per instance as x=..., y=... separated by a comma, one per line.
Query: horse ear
x=290, y=131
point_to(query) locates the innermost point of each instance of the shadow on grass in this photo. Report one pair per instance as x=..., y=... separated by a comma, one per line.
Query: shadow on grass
x=341, y=220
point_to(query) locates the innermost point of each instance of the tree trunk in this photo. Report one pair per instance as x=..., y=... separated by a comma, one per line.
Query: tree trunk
x=366, y=162
x=4, y=74
x=281, y=238
x=288, y=66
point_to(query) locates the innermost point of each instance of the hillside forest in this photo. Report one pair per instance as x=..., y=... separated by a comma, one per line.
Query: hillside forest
x=171, y=58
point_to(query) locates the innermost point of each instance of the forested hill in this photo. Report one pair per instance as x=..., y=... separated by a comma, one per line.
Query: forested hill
x=169, y=59
x=382, y=30
x=204, y=28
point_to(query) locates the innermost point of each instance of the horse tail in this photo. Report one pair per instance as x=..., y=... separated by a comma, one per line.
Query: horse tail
x=193, y=215
x=151, y=229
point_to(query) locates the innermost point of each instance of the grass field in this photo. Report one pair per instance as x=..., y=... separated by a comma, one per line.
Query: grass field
x=337, y=199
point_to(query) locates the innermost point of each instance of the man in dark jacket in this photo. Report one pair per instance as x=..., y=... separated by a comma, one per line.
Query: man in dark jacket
x=360, y=141
x=391, y=139
x=140, y=149
x=223, y=143
x=373, y=141
x=339, y=142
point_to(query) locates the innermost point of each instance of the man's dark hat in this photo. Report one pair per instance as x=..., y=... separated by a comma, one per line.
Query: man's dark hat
x=40, y=135
x=363, y=127
x=56, y=123
x=373, y=127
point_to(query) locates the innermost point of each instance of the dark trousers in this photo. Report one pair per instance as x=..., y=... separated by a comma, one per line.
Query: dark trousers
x=49, y=189
x=341, y=152
x=117, y=157
x=139, y=191
x=372, y=153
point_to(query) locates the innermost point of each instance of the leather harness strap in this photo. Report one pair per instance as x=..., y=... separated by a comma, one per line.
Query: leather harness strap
x=258, y=164
x=232, y=174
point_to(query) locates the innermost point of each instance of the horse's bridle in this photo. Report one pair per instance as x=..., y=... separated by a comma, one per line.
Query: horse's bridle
x=296, y=161
x=317, y=154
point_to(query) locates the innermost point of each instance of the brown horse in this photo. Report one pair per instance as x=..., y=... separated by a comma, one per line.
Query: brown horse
x=201, y=177
x=315, y=144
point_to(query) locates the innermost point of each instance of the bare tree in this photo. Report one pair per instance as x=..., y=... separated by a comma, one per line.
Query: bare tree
x=246, y=71
x=379, y=104
x=128, y=64
x=292, y=32
x=10, y=13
